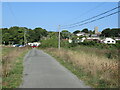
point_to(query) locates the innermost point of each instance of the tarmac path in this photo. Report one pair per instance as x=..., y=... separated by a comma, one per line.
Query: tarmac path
x=43, y=71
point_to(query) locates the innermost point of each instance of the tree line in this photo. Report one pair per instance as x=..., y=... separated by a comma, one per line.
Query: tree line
x=17, y=35
x=115, y=32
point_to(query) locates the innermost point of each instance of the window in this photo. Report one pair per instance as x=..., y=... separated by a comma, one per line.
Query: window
x=108, y=41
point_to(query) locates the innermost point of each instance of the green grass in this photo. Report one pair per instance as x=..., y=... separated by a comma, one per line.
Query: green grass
x=14, y=78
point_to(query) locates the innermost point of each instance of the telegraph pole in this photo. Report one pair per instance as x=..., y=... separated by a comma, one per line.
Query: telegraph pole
x=24, y=36
x=59, y=37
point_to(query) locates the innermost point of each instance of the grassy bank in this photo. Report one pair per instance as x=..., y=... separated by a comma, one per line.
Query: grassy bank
x=12, y=66
x=95, y=70
x=110, y=53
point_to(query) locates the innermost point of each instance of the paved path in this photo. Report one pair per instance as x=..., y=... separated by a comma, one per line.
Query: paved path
x=43, y=71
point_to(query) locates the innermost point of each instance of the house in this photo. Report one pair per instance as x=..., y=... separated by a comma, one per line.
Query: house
x=80, y=34
x=94, y=35
x=80, y=40
x=83, y=34
x=83, y=39
x=117, y=38
x=34, y=44
x=70, y=41
x=108, y=41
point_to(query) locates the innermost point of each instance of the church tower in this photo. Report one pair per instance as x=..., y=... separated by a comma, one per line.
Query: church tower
x=96, y=30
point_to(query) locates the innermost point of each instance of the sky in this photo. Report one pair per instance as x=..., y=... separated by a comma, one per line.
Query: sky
x=60, y=0
x=48, y=15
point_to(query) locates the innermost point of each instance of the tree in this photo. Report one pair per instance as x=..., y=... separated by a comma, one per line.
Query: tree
x=6, y=38
x=65, y=34
x=16, y=34
x=90, y=32
x=115, y=32
x=39, y=33
x=64, y=31
x=85, y=30
x=77, y=31
x=30, y=35
x=52, y=34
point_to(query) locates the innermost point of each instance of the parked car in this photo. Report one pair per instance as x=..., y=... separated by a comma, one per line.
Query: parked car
x=34, y=46
x=21, y=45
x=16, y=45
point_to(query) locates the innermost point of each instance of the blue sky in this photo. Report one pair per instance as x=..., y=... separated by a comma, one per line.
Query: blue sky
x=49, y=15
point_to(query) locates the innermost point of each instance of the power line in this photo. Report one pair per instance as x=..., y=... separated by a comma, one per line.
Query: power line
x=86, y=12
x=93, y=17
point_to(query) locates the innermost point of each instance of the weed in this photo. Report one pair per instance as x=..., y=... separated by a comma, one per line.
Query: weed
x=99, y=72
x=12, y=67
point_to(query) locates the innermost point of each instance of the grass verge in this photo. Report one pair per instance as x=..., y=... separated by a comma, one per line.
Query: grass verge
x=12, y=66
x=98, y=72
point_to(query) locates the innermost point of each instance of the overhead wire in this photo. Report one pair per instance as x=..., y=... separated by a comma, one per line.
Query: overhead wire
x=93, y=17
x=88, y=11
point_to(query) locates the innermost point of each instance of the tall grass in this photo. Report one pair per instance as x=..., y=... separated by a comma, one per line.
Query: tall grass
x=97, y=71
x=12, y=66
x=109, y=53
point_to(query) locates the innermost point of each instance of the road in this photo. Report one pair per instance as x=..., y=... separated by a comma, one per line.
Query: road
x=43, y=71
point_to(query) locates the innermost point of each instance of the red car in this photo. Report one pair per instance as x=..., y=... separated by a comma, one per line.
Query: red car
x=34, y=46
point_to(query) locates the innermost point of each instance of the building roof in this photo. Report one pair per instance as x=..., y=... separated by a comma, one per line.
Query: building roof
x=108, y=39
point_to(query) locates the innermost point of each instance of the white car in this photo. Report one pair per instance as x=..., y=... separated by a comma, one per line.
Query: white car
x=21, y=45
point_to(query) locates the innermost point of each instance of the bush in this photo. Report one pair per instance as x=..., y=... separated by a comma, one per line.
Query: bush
x=52, y=42
x=117, y=45
x=65, y=44
x=118, y=41
x=88, y=43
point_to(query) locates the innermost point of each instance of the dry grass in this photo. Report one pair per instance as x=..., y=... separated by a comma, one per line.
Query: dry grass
x=103, y=70
x=110, y=53
x=12, y=65
x=8, y=60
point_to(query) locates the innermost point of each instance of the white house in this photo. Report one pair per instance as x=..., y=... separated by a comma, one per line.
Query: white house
x=70, y=41
x=109, y=41
x=34, y=44
x=80, y=34
x=117, y=38
x=83, y=39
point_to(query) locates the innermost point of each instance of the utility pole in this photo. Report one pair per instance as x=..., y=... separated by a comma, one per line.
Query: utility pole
x=59, y=37
x=25, y=37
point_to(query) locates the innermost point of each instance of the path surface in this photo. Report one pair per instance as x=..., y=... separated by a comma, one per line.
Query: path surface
x=43, y=71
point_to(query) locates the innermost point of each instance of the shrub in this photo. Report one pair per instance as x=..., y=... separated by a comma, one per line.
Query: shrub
x=118, y=41
x=65, y=44
x=117, y=45
x=52, y=42
x=88, y=43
